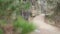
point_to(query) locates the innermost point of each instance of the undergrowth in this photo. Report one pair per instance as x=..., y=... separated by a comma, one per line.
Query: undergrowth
x=24, y=25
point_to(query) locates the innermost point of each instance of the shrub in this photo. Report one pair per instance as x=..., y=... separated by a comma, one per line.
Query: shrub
x=25, y=25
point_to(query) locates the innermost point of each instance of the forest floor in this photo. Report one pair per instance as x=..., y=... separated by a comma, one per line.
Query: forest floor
x=42, y=27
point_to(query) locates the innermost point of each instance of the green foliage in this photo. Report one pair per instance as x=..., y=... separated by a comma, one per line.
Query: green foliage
x=1, y=31
x=8, y=6
x=26, y=6
x=26, y=26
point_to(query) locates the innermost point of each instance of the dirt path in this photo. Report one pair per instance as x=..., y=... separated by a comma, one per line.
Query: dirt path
x=44, y=28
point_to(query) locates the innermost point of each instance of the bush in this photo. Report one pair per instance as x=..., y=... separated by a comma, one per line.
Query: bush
x=25, y=25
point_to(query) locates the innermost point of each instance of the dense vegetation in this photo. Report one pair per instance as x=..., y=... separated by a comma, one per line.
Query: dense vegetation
x=54, y=6
x=10, y=20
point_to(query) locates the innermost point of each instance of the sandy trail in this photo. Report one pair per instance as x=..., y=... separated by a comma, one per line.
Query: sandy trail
x=42, y=27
